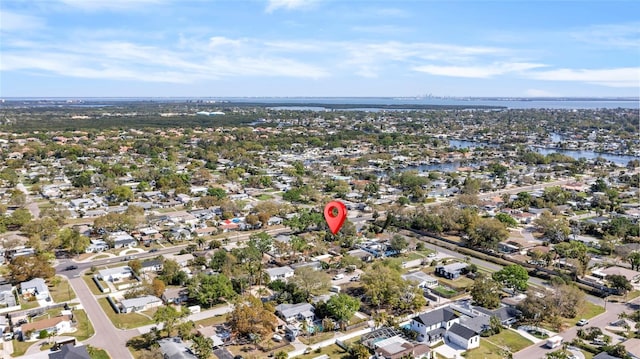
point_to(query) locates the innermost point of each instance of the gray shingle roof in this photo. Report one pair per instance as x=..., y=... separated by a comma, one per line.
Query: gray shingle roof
x=462, y=331
x=436, y=316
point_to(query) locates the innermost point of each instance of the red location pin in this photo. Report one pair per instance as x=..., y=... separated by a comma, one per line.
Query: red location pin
x=335, y=212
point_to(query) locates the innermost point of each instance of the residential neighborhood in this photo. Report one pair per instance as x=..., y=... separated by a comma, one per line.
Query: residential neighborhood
x=210, y=241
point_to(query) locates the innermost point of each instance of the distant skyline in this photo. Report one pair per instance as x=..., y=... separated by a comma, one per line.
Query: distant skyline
x=319, y=48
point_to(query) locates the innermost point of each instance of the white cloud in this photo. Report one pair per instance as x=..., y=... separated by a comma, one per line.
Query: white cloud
x=616, y=77
x=483, y=72
x=288, y=4
x=11, y=21
x=611, y=35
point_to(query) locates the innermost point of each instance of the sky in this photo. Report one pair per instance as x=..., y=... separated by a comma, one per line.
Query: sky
x=319, y=48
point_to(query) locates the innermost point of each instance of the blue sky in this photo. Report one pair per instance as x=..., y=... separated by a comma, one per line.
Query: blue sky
x=214, y=48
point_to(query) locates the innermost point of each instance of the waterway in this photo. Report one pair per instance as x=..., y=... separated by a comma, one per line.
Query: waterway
x=621, y=160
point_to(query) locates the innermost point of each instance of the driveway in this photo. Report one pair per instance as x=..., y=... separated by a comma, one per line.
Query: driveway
x=449, y=350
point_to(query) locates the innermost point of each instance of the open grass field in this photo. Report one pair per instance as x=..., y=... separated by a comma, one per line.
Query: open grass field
x=509, y=339
x=61, y=291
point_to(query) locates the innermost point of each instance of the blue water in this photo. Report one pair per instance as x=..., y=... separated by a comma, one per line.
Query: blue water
x=516, y=104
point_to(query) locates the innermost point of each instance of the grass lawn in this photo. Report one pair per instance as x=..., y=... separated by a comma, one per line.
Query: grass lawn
x=412, y=255
x=317, y=338
x=588, y=311
x=460, y=283
x=444, y=291
x=333, y=351
x=486, y=350
x=62, y=292
x=96, y=353
x=84, y=328
x=265, y=197
x=88, y=279
x=124, y=321
x=24, y=304
x=19, y=348
x=219, y=319
x=509, y=339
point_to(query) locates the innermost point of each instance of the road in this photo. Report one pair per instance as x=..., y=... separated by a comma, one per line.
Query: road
x=107, y=336
x=495, y=267
x=601, y=321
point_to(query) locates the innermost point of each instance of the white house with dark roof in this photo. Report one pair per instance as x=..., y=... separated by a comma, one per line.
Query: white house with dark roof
x=432, y=326
x=280, y=273
x=463, y=336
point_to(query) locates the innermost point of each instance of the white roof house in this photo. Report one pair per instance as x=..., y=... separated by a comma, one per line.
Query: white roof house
x=140, y=303
x=280, y=273
x=114, y=274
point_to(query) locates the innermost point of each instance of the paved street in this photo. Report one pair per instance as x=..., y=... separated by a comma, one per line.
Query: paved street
x=106, y=335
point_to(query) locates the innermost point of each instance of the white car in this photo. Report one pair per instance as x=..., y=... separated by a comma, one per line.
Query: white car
x=431, y=255
x=582, y=322
x=277, y=338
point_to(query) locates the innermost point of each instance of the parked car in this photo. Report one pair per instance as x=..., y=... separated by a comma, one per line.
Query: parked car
x=277, y=338
x=153, y=250
x=338, y=276
x=71, y=267
x=582, y=322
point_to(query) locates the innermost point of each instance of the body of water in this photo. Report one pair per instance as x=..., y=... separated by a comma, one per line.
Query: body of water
x=470, y=102
x=369, y=103
x=576, y=154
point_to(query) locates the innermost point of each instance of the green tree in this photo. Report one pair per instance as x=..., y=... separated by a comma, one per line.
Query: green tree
x=513, y=276
x=342, y=307
x=487, y=233
x=208, y=290
x=121, y=194
x=619, y=283
x=398, y=243
x=24, y=268
x=554, y=227
x=486, y=292
x=310, y=281
x=634, y=260
x=506, y=219
x=169, y=317
x=202, y=347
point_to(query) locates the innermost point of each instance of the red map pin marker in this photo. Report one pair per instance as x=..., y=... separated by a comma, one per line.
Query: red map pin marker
x=335, y=212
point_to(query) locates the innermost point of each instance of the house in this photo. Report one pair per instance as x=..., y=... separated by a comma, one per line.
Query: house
x=313, y=265
x=175, y=295
x=291, y=313
x=139, y=304
x=363, y=255
x=154, y=265
x=432, y=326
x=57, y=325
x=421, y=279
x=70, y=351
x=396, y=347
x=605, y=355
x=182, y=259
x=463, y=336
x=174, y=348
x=451, y=271
x=279, y=273
x=35, y=287
x=122, y=239
x=507, y=315
x=631, y=275
x=115, y=274
x=96, y=246
x=6, y=295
